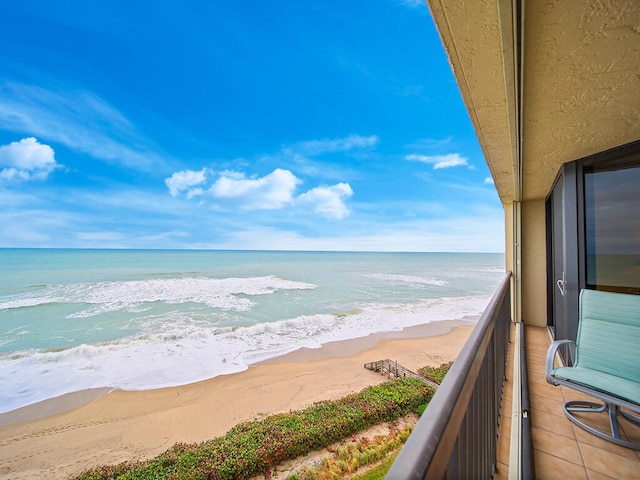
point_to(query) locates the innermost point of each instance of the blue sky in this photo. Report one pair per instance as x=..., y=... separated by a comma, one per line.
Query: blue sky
x=332, y=125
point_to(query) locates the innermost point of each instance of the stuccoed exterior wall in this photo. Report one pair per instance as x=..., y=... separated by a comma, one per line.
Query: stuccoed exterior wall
x=534, y=268
x=579, y=96
x=581, y=84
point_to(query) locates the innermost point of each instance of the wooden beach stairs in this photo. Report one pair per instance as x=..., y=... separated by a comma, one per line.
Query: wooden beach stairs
x=391, y=367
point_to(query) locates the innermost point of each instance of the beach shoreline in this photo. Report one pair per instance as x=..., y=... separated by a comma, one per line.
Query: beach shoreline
x=338, y=348
x=69, y=434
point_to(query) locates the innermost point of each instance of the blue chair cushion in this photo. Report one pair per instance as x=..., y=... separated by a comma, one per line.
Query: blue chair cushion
x=604, y=382
x=609, y=335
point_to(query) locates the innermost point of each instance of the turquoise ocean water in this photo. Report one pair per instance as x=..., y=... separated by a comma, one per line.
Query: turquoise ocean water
x=140, y=319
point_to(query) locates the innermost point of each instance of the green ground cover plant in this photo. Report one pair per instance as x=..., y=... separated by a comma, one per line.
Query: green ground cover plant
x=254, y=448
x=353, y=456
x=435, y=374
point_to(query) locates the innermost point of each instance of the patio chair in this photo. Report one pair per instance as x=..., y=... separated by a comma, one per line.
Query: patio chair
x=606, y=362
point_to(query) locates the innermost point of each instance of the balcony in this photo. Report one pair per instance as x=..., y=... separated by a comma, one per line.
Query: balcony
x=467, y=430
x=560, y=448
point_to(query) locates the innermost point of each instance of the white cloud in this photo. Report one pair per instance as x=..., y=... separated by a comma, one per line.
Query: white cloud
x=328, y=201
x=414, y=3
x=274, y=191
x=35, y=225
x=185, y=181
x=318, y=147
x=489, y=181
x=304, y=155
x=26, y=160
x=77, y=119
x=440, y=161
x=277, y=190
x=482, y=233
x=431, y=144
x=102, y=237
x=270, y=192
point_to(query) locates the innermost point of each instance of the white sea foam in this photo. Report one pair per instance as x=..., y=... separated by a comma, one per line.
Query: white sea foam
x=180, y=350
x=28, y=300
x=131, y=296
x=407, y=279
x=154, y=319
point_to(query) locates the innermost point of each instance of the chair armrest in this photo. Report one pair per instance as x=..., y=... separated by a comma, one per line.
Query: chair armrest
x=551, y=355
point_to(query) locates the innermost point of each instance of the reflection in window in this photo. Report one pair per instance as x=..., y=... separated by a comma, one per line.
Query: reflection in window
x=612, y=221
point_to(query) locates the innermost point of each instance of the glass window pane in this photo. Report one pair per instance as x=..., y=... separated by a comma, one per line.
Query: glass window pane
x=612, y=221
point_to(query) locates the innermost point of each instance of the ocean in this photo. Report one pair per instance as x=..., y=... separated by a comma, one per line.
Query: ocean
x=140, y=319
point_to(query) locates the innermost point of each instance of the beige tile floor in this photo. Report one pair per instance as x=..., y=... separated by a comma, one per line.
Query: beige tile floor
x=562, y=450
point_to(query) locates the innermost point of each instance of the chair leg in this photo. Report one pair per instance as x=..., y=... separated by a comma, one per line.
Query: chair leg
x=584, y=406
x=634, y=419
x=613, y=411
x=613, y=420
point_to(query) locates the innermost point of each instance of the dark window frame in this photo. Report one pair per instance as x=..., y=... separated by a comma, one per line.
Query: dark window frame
x=572, y=176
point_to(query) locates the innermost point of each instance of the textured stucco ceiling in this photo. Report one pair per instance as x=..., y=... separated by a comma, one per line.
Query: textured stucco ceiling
x=581, y=81
x=470, y=32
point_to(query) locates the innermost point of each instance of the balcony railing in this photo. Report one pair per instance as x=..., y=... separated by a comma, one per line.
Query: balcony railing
x=457, y=435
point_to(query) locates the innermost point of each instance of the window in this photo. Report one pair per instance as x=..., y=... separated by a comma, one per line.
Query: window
x=593, y=232
x=612, y=226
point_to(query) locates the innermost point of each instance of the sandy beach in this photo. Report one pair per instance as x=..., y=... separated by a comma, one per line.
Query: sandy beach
x=62, y=437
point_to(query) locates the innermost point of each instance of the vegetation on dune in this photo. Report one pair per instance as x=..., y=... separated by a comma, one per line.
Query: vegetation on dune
x=352, y=456
x=254, y=448
x=375, y=457
x=435, y=374
x=379, y=471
